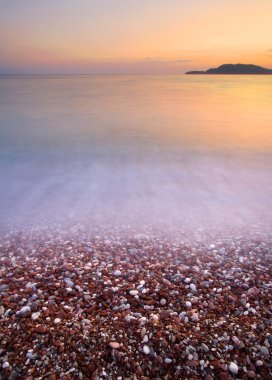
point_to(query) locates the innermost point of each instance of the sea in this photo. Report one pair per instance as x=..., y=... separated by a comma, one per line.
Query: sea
x=158, y=150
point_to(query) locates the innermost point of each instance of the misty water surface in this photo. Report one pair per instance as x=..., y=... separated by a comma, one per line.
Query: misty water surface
x=176, y=149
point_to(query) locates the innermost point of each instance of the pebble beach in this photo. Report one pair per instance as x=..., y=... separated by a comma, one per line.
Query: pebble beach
x=119, y=304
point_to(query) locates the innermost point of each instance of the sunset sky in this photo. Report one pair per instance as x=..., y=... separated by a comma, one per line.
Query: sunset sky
x=143, y=36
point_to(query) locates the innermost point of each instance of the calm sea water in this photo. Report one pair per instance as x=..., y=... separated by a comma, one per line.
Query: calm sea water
x=176, y=149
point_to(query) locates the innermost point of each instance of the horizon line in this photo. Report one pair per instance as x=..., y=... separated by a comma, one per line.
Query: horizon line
x=86, y=74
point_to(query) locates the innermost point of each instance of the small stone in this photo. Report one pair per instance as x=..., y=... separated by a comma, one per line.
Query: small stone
x=264, y=351
x=195, y=317
x=69, y=282
x=192, y=363
x=236, y=341
x=259, y=363
x=57, y=320
x=114, y=345
x=163, y=301
x=251, y=374
x=5, y=365
x=35, y=316
x=40, y=329
x=233, y=368
x=145, y=339
x=2, y=310
x=3, y=287
x=168, y=360
x=205, y=347
x=86, y=321
x=188, y=304
x=117, y=273
x=133, y=292
x=146, y=350
x=193, y=287
x=269, y=338
x=24, y=312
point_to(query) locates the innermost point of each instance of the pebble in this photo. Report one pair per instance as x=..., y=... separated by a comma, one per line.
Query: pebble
x=205, y=347
x=269, y=338
x=193, y=287
x=35, y=316
x=117, y=273
x=57, y=320
x=233, y=368
x=114, y=345
x=40, y=329
x=264, y=351
x=24, y=312
x=195, y=317
x=5, y=365
x=145, y=339
x=163, y=301
x=236, y=341
x=3, y=288
x=146, y=350
x=133, y=292
x=69, y=282
x=86, y=321
x=251, y=374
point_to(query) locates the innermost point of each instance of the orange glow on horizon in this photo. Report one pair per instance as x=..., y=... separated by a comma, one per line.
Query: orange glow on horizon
x=155, y=37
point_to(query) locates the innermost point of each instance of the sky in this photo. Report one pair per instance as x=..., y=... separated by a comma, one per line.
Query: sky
x=132, y=36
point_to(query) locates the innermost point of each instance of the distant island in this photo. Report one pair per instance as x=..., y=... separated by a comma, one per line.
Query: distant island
x=236, y=69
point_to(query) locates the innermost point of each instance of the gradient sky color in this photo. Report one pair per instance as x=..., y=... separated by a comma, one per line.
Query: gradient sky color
x=132, y=37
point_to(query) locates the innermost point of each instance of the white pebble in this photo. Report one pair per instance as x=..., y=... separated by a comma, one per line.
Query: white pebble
x=57, y=320
x=133, y=292
x=35, y=316
x=163, y=301
x=194, y=317
x=155, y=317
x=146, y=350
x=145, y=339
x=193, y=287
x=233, y=367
